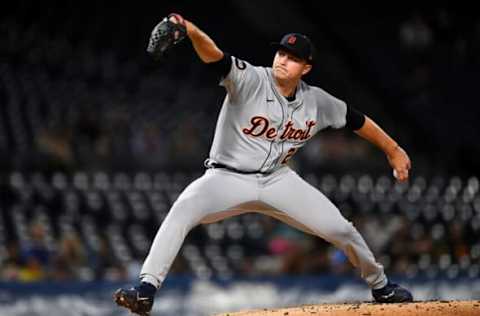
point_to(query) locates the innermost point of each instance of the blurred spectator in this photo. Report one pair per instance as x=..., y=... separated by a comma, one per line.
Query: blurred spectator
x=186, y=146
x=458, y=240
x=70, y=259
x=415, y=34
x=422, y=242
x=104, y=264
x=10, y=266
x=150, y=146
x=339, y=263
x=56, y=144
x=89, y=140
x=36, y=257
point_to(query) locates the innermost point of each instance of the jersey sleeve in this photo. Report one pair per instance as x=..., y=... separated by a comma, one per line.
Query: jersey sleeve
x=332, y=112
x=242, y=79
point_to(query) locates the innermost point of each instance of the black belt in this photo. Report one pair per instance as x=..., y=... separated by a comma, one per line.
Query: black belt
x=222, y=166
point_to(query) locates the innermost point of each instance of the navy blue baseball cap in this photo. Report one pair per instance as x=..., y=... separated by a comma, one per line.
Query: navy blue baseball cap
x=298, y=45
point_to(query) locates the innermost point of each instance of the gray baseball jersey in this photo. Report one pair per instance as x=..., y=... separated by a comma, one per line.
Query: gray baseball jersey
x=258, y=129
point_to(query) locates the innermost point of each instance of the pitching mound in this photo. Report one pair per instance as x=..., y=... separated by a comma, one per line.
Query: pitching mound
x=431, y=308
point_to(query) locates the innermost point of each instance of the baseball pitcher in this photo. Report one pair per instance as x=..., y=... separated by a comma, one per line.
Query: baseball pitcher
x=267, y=115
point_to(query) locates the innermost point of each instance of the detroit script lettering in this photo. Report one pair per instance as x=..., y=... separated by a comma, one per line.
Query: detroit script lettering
x=260, y=126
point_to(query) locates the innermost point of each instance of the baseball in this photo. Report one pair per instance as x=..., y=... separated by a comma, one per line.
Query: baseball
x=176, y=18
x=395, y=174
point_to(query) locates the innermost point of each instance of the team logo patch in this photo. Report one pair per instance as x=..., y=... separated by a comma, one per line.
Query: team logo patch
x=291, y=40
x=240, y=64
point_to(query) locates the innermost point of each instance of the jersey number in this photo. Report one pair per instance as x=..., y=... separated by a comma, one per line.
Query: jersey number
x=289, y=155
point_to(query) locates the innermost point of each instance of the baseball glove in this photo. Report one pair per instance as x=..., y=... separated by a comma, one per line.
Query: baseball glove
x=166, y=35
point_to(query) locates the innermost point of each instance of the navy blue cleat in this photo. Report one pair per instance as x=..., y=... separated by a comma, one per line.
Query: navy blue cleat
x=392, y=293
x=133, y=300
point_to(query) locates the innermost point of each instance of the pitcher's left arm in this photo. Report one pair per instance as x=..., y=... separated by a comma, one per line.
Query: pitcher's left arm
x=397, y=157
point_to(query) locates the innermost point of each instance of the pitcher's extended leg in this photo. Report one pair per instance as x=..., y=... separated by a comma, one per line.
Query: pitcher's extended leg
x=215, y=191
x=308, y=206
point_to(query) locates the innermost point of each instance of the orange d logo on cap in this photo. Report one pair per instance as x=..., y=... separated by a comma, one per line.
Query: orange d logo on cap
x=291, y=40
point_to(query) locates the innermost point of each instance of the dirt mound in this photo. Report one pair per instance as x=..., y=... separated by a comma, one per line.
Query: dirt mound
x=429, y=308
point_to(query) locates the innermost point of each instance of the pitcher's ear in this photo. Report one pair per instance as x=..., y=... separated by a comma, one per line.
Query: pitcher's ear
x=307, y=69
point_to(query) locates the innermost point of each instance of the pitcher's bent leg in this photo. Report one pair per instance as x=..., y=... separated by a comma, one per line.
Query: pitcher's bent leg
x=213, y=192
x=308, y=206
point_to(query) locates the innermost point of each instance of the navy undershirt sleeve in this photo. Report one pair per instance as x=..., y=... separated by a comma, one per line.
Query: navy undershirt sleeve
x=222, y=67
x=355, y=119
